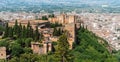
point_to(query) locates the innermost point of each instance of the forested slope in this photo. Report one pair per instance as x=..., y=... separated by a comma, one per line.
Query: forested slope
x=88, y=49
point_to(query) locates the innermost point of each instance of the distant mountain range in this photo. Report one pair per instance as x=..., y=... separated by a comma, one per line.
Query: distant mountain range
x=59, y=5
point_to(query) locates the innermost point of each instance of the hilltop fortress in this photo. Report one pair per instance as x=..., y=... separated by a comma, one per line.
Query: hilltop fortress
x=100, y=24
x=70, y=23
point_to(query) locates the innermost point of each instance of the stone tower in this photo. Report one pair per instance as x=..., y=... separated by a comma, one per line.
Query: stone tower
x=71, y=19
x=71, y=33
x=35, y=46
x=61, y=18
x=47, y=47
x=41, y=48
x=2, y=52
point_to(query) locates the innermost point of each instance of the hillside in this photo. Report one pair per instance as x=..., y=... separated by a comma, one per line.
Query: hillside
x=88, y=49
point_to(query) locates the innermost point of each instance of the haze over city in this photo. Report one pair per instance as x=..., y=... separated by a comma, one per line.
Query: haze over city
x=69, y=5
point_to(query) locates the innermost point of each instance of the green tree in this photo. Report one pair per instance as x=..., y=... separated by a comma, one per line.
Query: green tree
x=27, y=50
x=24, y=32
x=28, y=30
x=28, y=42
x=29, y=58
x=14, y=59
x=16, y=28
x=55, y=33
x=62, y=53
x=56, y=24
x=37, y=34
x=16, y=49
x=20, y=41
x=10, y=32
x=44, y=18
x=5, y=43
x=2, y=28
x=52, y=15
x=59, y=32
x=6, y=30
x=20, y=31
x=31, y=34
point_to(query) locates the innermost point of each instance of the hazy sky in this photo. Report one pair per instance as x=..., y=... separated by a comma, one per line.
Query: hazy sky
x=107, y=2
x=81, y=1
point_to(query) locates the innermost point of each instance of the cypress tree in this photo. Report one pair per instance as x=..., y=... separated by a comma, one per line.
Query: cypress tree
x=20, y=28
x=37, y=34
x=28, y=25
x=59, y=32
x=16, y=28
x=6, y=30
x=28, y=29
x=10, y=32
x=55, y=32
x=24, y=32
x=31, y=32
x=18, y=32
